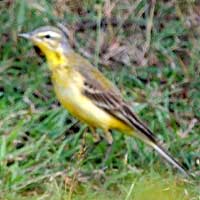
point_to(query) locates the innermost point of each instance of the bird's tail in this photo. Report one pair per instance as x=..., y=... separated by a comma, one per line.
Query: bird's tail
x=145, y=134
x=150, y=139
x=168, y=157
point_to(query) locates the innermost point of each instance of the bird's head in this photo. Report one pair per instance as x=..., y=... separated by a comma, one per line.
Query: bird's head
x=52, y=41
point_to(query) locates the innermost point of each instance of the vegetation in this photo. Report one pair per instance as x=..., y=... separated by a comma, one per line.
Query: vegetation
x=151, y=51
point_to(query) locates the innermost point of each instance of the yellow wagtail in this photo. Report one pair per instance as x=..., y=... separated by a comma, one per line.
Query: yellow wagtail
x=86, y=93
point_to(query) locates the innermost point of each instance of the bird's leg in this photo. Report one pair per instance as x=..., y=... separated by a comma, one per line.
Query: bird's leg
x=109, y=139
x=96, y=137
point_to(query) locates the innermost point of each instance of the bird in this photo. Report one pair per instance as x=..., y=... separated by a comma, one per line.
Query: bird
x=87, y=94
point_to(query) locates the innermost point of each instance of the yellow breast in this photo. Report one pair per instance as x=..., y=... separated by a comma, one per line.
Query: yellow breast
x=68, y=87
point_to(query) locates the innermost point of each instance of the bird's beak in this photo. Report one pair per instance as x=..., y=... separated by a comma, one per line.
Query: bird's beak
x=25, y=35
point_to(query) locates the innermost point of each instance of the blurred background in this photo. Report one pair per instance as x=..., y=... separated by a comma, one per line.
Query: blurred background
x=150, y=49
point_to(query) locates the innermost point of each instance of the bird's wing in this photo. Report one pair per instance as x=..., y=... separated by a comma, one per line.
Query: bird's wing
x=112, y=102
x=106, y=96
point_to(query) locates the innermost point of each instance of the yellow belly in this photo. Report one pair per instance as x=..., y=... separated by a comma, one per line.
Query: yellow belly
x=85, y=110
x=68, y=91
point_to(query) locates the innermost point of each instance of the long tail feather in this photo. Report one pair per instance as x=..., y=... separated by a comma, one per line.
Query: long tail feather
x=168, y=157
x=148, y=137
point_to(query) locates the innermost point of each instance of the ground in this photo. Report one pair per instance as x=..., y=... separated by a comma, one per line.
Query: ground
x=151, y=51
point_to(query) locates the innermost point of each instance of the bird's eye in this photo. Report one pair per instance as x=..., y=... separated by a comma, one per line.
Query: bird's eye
x=47, y=36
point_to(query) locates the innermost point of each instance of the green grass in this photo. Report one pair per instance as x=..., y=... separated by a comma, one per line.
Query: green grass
x=46, y=154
